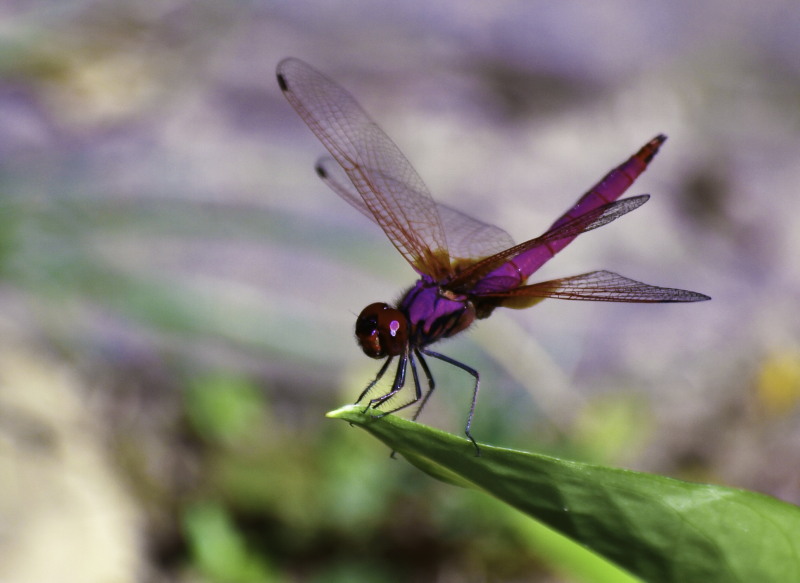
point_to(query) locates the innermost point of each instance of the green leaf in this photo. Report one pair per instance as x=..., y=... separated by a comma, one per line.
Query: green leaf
x=221, y=407
x=657, y=528
x=218, y=549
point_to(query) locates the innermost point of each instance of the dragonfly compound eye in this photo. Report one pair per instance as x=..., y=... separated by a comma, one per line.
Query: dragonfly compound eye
x=381, y=331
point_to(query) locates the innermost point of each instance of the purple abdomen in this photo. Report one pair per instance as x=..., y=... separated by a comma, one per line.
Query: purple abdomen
x=517, y=270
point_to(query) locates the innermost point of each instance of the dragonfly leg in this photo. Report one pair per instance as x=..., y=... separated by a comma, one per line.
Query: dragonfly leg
x=475, y=374
x=417, y=387
x=378, y=377
x=397, y=385
x=417, y=390
x=431, y=384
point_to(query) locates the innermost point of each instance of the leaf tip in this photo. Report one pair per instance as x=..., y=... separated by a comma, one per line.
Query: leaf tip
x=348, y=413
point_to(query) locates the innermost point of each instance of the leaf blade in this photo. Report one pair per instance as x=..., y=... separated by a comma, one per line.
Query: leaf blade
x=657, y=528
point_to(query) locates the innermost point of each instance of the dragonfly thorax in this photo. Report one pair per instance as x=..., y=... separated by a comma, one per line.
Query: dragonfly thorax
x=434, y=313
x=382, y=330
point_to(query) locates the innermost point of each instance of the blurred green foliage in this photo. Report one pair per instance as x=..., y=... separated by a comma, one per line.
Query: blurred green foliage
x=323, y=504
x=218, y=550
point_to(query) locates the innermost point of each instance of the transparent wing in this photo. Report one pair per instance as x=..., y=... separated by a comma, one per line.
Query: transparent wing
x=546, y=244
x=391, y=189
x=598, y=286
x=337, y=180
x=470, y=239
x=467, y=237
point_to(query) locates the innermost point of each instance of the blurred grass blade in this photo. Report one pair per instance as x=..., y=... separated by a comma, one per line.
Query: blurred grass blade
x=657, y=528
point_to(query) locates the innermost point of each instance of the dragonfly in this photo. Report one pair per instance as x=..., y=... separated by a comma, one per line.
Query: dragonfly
x=466, y=267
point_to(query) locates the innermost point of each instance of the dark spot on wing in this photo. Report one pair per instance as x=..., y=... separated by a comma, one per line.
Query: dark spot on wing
x=282, y=83
x=321, y=172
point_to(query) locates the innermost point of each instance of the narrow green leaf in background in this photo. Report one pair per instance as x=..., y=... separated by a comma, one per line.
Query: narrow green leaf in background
x=657, y=528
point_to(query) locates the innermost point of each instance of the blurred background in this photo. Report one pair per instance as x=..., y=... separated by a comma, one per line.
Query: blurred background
x=178, y=290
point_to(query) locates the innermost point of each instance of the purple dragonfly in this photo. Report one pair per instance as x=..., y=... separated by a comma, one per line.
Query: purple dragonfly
x=467, y=268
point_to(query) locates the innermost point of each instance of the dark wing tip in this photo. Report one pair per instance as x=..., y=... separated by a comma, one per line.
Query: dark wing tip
x=698, y=297
x=282, y=66
x=282, y=82
x=685, y=296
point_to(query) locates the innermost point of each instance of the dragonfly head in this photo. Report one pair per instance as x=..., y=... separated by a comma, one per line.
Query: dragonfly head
x=382, y=331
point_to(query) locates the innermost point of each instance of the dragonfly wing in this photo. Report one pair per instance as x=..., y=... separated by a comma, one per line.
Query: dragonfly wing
x=467, y=238
x=391, y=189
x=598, y=286
x=470, y=239
x=337, y=180
x=533, y=250
x=588, y=221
